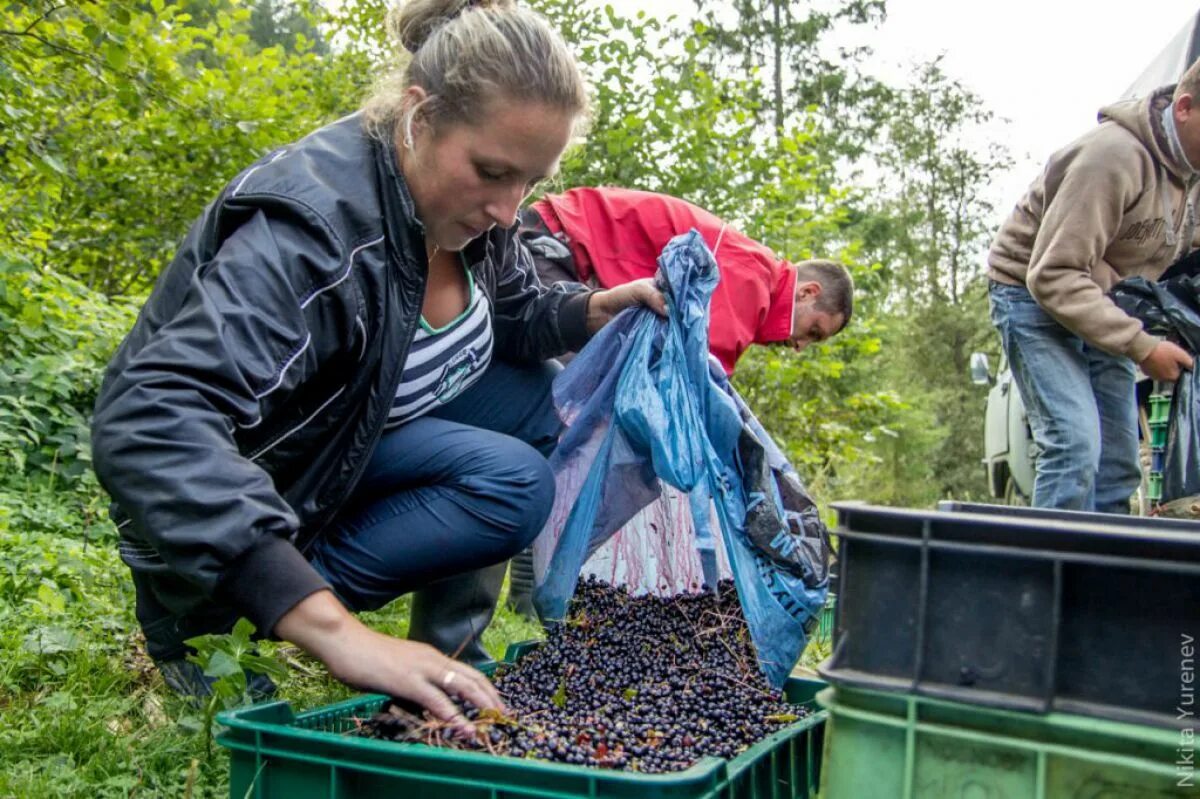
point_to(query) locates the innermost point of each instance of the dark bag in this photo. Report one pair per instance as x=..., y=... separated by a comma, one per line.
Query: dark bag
x=1171, y=308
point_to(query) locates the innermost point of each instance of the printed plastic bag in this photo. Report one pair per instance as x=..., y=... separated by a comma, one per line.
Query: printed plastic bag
x=1172, y=308
x=643, y=408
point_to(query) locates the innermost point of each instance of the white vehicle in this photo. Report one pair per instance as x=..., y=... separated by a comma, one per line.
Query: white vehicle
x=1008, y=448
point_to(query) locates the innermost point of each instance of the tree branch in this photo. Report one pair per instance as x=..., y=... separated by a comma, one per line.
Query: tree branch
x=104, y=65
x=43, y=17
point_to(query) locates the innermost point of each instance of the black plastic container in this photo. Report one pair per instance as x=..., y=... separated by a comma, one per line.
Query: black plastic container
x=1022, y=609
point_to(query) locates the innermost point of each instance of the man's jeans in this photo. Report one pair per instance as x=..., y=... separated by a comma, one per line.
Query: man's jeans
x=461, y=488
x=1081, y=406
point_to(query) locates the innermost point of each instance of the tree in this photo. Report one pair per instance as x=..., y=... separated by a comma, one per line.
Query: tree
x=931, y=217
x=928, y=228
x=119, y=122
x=781, y=47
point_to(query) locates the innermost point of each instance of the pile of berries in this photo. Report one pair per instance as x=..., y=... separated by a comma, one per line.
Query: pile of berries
x=647, y=684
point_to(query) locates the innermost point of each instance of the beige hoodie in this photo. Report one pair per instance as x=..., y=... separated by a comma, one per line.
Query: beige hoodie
x=1110, y=205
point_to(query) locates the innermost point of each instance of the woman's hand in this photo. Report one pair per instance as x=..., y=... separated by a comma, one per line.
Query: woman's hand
x=371, y=661
x=604, y=305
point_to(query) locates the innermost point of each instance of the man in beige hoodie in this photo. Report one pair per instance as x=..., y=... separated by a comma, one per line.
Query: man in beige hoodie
x=1115, y=203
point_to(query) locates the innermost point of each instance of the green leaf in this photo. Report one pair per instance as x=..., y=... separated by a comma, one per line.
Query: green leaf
x=222, y=664
x=51, y=641
x=243, y=629
x=560, y=696
x=202, y=643
x=116, y=56
x=192, y=724
x=262, y=664
x=49, y=596
x=54, y=163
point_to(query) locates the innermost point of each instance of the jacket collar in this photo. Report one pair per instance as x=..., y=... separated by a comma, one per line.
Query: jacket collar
x=395, y=180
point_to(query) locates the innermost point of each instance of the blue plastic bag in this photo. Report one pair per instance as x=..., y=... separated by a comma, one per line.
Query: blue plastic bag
x=641, y=405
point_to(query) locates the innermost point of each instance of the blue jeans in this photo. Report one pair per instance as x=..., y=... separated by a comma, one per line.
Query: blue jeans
x=1081, y=405
x=461, y=488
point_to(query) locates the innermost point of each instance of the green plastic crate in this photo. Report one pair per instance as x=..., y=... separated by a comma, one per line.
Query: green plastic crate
x=1158, y=433
x=277, y=754
x=1154, y=482
x=1160, y=408
x=900, y=746
x=825, y=626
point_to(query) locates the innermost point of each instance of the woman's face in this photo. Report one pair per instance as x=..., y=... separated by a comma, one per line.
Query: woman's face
x=467, y=177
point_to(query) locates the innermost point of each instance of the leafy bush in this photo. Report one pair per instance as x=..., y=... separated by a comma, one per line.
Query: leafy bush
x=120, y=120
x=56, y=336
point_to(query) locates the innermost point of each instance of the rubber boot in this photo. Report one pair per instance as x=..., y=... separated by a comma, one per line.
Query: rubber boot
x=189, y=681
x=520, y=585
x=452, y=614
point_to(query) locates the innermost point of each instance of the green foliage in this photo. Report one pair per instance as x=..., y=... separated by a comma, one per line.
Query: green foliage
x=56, y=336
x=230, y=659
x=49, y=585
x=926, y=227
x=930, y=221
x=780, y=49
x=884, y=411
x=664, y=121
x=815, y=403
x=120, y=122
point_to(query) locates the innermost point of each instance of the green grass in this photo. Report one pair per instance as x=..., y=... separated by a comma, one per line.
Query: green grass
x=96, y=720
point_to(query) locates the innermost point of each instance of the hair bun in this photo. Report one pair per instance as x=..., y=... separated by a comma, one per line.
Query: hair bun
x=412, y=23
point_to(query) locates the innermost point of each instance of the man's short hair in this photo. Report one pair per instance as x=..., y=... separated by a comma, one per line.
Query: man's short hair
x=1189, y=83
x=837, y=287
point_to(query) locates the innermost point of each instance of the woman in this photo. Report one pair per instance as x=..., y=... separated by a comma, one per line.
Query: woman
x=333, y=395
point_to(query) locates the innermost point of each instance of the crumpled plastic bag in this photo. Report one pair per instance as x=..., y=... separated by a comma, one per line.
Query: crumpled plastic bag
x=642, y=407
x=1171, y=308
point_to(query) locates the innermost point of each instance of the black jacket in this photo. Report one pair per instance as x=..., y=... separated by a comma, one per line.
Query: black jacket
x=238, y=414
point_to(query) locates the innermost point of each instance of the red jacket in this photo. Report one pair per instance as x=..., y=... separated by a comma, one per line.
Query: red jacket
x=616, y=236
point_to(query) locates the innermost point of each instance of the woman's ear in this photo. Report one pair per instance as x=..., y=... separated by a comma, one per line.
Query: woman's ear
x=413, y=120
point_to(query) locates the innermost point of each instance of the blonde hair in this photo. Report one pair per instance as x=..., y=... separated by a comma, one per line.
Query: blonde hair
x=466, y=53
x=1189, y=83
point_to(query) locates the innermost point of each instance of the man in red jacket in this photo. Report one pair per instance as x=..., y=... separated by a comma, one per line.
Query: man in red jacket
x=609, y=236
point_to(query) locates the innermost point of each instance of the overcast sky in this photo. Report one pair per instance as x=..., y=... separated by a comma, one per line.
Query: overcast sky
x=1044, y=65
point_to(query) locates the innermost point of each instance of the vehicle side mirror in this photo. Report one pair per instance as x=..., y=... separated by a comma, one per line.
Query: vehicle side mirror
x=981, y=373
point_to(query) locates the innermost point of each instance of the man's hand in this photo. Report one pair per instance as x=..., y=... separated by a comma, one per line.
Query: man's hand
x=1166, y=362
x=604, y=305
x=372, y=661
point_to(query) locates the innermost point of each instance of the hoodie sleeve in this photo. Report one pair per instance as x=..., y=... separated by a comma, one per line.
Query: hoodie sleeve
x=1087, y=191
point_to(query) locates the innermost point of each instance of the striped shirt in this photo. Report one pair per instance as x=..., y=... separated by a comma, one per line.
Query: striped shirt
x=442, y=363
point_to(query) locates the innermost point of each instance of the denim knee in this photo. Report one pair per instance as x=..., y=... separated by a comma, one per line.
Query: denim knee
x=526, y=485
x=1068, y=463
x=1065, y=440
